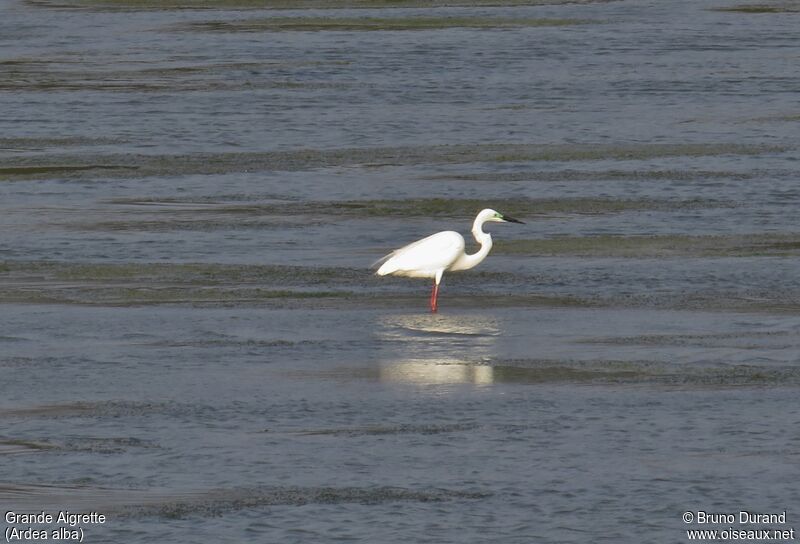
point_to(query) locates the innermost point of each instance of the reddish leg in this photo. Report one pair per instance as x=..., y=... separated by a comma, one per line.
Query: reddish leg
x=435, y=297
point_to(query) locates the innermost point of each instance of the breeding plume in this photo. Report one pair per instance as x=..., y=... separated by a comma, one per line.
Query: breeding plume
x=440, y=252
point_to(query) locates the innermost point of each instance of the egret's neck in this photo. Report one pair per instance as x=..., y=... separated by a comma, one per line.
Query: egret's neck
x=484, y=239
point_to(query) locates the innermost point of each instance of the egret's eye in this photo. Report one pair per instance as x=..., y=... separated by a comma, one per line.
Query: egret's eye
x=498, y=215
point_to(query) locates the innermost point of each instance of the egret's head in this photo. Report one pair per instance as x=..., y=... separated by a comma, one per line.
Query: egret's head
x=492, y=215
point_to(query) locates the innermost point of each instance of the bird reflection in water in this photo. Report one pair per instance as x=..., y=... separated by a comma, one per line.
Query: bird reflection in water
x=431, y=349
x=436, y=372
x=412, y=326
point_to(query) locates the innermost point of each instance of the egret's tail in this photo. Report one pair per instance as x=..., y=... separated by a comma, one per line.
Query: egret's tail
x=381, y=265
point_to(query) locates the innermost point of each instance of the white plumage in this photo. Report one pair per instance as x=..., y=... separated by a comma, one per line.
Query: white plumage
x=440, y=252
x=441, y=249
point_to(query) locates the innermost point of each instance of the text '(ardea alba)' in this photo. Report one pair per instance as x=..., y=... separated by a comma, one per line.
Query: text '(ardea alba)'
x=440, y=252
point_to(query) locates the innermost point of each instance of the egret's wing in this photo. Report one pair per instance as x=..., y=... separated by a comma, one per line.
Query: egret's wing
x=440, y=240
x=423, y=257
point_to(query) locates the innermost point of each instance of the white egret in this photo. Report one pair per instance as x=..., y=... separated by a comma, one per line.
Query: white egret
x=440, y=252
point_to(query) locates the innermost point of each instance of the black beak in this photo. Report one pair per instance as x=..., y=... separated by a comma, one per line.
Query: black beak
x=511, y=219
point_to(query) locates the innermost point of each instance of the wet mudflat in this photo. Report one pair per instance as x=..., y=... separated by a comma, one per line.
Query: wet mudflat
x=192, y=343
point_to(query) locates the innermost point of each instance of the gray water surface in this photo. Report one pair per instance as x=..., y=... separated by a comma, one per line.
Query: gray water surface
x=191, y=340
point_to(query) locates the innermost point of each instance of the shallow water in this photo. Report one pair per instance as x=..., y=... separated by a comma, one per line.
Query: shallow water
x=192, y=343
